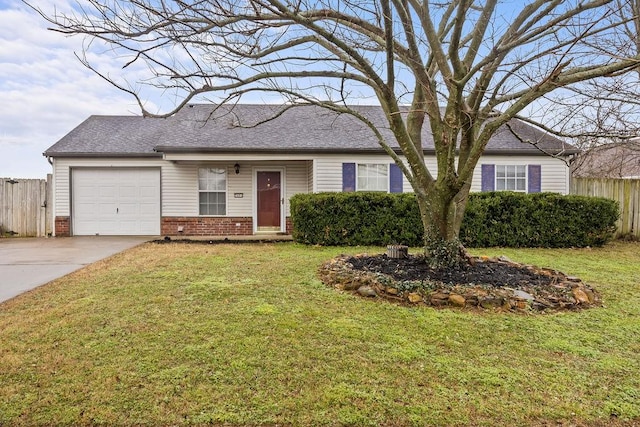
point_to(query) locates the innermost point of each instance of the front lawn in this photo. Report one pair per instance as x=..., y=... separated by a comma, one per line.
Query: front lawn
x=176, y=334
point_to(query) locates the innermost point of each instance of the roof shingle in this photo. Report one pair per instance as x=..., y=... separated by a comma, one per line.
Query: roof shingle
x=205, y=128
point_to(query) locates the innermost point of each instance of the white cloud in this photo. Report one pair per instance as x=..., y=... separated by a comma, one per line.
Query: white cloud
x=44, y=90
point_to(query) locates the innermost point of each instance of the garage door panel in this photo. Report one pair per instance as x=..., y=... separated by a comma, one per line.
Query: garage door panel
x=128, y=192
x=107, y=192
x=116, y=201
x=129, y=227
x=147, y=193
x=128, y=208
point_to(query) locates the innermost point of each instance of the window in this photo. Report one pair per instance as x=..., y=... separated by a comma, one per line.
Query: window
x=373, y=177
x=212, y=188
x=511, y=177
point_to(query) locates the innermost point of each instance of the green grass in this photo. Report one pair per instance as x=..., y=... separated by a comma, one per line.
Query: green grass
x=247, y=335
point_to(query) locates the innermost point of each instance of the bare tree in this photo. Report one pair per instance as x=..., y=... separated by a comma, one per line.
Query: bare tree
x=464, y=67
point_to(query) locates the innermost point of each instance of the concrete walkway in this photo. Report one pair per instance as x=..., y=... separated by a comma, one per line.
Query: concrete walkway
x=26, y=263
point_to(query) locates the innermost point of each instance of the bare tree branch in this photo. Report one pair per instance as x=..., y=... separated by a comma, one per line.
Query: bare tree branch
x=464, y=67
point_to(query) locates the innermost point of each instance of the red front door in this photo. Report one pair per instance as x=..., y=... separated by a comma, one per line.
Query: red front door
x=269, y=195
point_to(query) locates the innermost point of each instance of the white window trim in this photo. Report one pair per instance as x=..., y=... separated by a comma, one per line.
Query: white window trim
x=226, y=190
x=372, y=164
x=526, y=177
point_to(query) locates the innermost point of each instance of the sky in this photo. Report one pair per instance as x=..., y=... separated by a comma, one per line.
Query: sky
x=45, y=91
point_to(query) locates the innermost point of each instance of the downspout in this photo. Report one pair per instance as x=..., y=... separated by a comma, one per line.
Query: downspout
x=52, y=192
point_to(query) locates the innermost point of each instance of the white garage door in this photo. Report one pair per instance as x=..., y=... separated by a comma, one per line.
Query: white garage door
x=116, y=202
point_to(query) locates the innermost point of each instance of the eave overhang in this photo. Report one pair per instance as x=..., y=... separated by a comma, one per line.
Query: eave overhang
x=210, y=153
x=102, y=155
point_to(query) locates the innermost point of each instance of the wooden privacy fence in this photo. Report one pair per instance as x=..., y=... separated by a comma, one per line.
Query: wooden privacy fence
x=25, y=209
x=625, y=191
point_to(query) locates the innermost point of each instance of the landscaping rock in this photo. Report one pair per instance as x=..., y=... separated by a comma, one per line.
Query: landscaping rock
x=580, y=296
x=457, y=300
x=391, y=290
x=352, y=285
x=439, y=299
x=523, y=295
x=367, y=291
x=491, y=302
x=414, y=298
x=521, y=305
x=485, y=284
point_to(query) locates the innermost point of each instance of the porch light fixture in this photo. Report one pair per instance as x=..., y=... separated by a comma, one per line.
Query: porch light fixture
x=237, y=168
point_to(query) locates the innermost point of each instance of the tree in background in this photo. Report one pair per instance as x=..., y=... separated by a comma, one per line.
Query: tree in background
x=464, y=68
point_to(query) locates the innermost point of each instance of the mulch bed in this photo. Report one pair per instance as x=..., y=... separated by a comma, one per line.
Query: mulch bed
x=496, y=284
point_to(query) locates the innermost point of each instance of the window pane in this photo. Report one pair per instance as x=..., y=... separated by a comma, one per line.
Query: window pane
x=373, y=177
x=362, y=182
x=212, y=179
x=212, y=185
x=217, y=179
x=213, y=203
x=511, y=178
x=204, y=204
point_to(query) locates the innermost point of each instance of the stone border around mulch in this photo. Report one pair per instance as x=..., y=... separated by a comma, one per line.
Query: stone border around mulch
x=564, y=292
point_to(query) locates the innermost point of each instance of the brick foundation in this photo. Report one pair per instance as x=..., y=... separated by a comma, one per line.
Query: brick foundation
x=206, y=226
x=211, y=226
x=62, y=227
x=191, y=226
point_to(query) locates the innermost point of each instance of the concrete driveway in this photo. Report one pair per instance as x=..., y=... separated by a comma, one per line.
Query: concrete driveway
x=26, y=263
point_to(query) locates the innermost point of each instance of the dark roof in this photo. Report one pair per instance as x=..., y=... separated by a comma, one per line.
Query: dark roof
x=615, y=160
x=303, y=129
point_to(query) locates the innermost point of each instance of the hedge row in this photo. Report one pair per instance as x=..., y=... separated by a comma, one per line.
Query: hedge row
x=362, y=218
x=492, y=219
x=538, y=220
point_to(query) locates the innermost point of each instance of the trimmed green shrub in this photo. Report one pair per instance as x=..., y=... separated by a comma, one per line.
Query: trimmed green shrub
x=491, y=219
x=362, y=218
x=537, y=220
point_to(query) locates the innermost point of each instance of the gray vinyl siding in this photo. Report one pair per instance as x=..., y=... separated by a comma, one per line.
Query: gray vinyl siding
x=179, y=189
x=297, y=174
x=179, y=180
x=554, y=172
x=180, y=185
x=328, y=173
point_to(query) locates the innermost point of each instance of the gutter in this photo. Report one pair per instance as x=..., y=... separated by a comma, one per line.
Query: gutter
x=215, y=150
x=101, y=154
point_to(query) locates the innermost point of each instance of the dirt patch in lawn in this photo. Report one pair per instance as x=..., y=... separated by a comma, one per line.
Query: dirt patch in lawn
x=496, y=284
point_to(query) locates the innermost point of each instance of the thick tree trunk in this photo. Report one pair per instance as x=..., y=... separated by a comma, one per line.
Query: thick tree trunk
x=441, y=211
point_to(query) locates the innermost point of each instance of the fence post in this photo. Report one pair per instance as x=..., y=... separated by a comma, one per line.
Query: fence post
x=49, y=206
